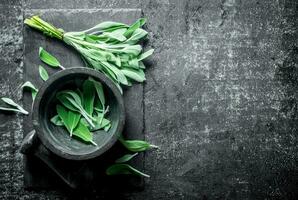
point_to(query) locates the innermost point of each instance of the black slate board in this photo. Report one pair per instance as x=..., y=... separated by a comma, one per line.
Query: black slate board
x=37, y=174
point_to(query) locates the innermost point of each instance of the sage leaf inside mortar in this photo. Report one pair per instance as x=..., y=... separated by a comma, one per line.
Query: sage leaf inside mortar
x=83, y=133
x=57, y=120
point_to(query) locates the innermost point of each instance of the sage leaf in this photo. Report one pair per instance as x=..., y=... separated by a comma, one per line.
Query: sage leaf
x=49, y=59
x=146, y=54
x=13, y=106
x=88, y=96
x=124, y=169
x=99, y=91
x=73, y=119
x=136, y=36
x=83, y=133
x=29, y=86
x=43, y=73
x=64, y=101
x=136, y=75
x=140, y=22
x=63, y=114
x=136, y=145
x=57, y=120
x=125, y=158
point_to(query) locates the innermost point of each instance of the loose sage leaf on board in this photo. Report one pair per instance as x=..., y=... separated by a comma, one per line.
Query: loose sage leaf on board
x=136, y=145
x=124, y=169
x=88, y=96
x=49, y=59
x=43, y=73
x=126, y=158
x=29, y=86
x=57, y=120
x=13, y=106
x=83, y=133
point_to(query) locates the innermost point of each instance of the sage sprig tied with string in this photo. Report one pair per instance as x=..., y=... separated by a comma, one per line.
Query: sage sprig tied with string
x=110, y=47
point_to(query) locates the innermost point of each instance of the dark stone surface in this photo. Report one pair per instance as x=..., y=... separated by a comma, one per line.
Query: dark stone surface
x=220, y=98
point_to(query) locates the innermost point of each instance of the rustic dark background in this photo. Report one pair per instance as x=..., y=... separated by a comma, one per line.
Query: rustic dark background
x=220, y=98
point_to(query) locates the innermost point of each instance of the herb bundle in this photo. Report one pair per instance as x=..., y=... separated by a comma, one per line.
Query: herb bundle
x=110, y=47
x=82, y=111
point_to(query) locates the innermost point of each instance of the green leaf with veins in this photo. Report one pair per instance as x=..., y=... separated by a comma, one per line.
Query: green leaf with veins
x=49, y=59
x=43, y=73
x=126, y=158
x=121, y=168
x=29, y=86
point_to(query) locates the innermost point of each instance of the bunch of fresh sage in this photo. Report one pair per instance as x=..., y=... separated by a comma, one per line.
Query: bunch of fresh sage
x=110, y=47
x=82, y=111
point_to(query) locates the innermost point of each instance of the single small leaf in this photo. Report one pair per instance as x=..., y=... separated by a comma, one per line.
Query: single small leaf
x=136, y=145
x=88, y=96
x=117, y=169
x=125, y=158
x=146, y=54
x=73, y=119
x=15, y=107
x=29, y=86
x=99, y=90
x=83, y=133
x=63, y=114
x=43, y=73
x=47, y=58
x=57, y=120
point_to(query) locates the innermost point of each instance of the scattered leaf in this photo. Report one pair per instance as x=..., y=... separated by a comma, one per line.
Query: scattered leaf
x=43, y=73
x=126, y=158
x=136, y=145
x=13, y=106
x=124, y=169
x=49, y=59
x=29, y=86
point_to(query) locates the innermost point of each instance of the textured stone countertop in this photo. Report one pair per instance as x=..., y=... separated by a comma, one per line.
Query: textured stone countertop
x=221, y=98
